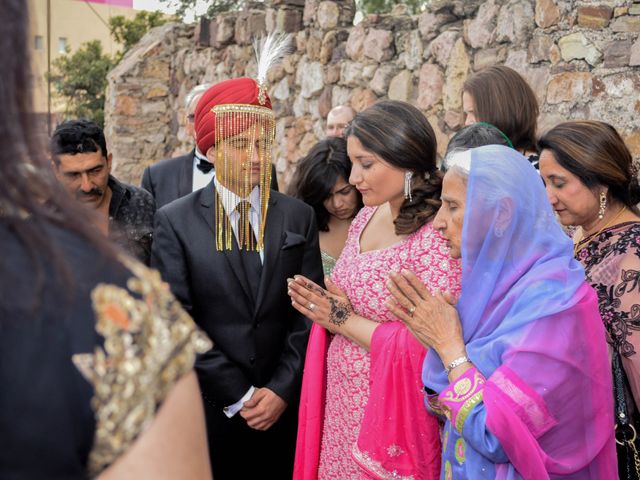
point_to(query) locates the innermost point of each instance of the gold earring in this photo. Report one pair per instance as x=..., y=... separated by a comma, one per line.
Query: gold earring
x=603, y=205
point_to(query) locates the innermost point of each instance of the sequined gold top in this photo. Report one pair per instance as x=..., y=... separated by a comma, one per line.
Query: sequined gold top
x=149, y=343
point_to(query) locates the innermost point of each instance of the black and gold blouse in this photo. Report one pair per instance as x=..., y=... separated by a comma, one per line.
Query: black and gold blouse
x=89, y=349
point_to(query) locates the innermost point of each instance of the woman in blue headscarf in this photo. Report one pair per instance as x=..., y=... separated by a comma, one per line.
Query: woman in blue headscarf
x=518, y=368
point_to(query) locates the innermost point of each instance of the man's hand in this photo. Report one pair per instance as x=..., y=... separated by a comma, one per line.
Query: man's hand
x=263, y=409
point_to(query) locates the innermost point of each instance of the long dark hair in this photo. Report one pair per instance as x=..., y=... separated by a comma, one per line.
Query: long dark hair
x=400, y=135
x=595, y=153
x=504, y=99
x=318, y=172
x=31, y=196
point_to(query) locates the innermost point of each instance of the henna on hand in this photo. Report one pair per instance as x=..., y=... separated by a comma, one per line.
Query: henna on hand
x=318, y=290
x=340, y=311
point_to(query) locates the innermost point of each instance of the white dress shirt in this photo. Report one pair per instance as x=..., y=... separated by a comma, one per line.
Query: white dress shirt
x=200, y=179
x=230, y=203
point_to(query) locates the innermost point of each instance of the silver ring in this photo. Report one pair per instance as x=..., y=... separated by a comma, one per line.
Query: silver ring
x=412, y=310
x=312, y=306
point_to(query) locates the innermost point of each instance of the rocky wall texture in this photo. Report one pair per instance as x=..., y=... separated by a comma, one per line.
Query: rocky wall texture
x=580, y=57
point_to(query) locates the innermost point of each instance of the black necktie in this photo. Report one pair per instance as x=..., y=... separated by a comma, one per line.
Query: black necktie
x=204, y=166
x=250, y=258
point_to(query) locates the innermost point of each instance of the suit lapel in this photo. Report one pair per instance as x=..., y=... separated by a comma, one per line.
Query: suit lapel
x=185, y=183
x=207, y=210
x=272, y=244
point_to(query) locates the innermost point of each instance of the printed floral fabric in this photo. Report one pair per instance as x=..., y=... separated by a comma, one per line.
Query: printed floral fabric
x=612, y=264
x=363, y=276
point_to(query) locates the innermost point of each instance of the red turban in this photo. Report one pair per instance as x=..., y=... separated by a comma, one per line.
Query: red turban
x=242, y=91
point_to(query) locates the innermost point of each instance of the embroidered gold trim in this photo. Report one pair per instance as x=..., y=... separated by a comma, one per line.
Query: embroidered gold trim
x=463, y=413
x=243, y=108
x=149, y=343
x=376, y=467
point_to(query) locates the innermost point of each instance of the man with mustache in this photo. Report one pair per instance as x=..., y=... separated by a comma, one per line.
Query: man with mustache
x=82, y=164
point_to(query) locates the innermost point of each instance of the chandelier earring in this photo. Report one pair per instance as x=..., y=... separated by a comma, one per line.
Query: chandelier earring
x=407, y=184
x=603, y=205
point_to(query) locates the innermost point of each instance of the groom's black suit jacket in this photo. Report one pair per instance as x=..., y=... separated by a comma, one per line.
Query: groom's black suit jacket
x=261, y=343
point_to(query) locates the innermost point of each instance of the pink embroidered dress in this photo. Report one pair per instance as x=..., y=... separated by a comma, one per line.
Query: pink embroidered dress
x=362, y=413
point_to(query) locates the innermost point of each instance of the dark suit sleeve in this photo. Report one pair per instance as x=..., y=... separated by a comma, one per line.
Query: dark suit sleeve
x=146, y=181
x=287, y=377
x=168, y=257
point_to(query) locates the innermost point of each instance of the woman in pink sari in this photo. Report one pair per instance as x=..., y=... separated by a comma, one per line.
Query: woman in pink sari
x=519, y=368
x=361, y=410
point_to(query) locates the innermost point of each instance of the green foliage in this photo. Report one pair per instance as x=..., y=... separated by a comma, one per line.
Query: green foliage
x=215, y=6
x=129, y=32
x=81, y=80
x=385, y=6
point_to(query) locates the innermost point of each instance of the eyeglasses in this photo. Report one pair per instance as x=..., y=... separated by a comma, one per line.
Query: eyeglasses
x=191, y=117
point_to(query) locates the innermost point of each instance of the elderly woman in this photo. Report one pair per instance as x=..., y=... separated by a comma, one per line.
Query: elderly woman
x=519, y=367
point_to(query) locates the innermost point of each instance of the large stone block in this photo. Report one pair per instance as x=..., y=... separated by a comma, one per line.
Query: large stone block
x=479, y=31
x=626, y=24
x=430, y=86
x=617, y=53
x=455, y=76
x=222, y=30
x=401, y=87
x=281, y=91
x=310, y=10
x=288, y=20
x=410, y=49
x=515, y=23
x=577, y=46
x=332, y=73
x=340, y=96
x=327, y=15
x=594, y=16
x=324, y=102
x=309, y=78
x=355, y=43
x=249, y=25
x=539, y=48
x=442, y=46
x=351, y=74
x=429, y=23
x=547, y=13
x=381, y=79
x=362, y=98
x=329, y=42
x=379, y=45
x=569, y=87
x=634, y=55
x=314, y=44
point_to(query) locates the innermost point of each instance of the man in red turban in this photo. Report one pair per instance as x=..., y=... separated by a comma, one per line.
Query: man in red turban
x=227, y=251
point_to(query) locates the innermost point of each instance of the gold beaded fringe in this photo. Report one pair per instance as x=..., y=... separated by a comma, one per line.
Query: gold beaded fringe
x=243, y=131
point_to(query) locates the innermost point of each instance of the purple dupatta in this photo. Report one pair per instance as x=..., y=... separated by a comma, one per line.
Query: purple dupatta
x=531, y=327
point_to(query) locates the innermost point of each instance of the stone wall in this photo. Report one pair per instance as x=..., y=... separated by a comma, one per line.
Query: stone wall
x=580, y=57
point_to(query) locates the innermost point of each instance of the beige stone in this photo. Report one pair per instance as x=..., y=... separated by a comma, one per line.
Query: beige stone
x=487, y=57
x=310, y=10
x=332, y=73
x=595, y=17
x=514, y=24
x=361, y=98
x=324, y=102
x=617, y=53
x=223, y=31
x=634, y=9
x=430, y=86
x=401, y=87
x=249, y=25
x=381, y=78
x=634, y=54
x=378, y=45
x=429, y=23
x=577, y=46
x=539, y=48
x=157, y=91
x=355, y=43
x=327, y=15
x=281, y=91
x=478, y=32
x=309, y=78
x=569, y=87
x=442, y=46
x=314, y=45
x=410, y=49
x=329, y=42
x=340, y=95
x=351, y=74
x=453, y=120
x=547, y=13
x=288, y=20
x=632, y=141
x=626, y=24
x=620, y=11
x=455, y=76
x=126, y=105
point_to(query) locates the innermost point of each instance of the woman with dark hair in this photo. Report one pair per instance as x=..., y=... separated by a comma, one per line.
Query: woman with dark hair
x=592, y=184
x=322, y=181
x=361, y=410
x=96, y=357
x=500, y=96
